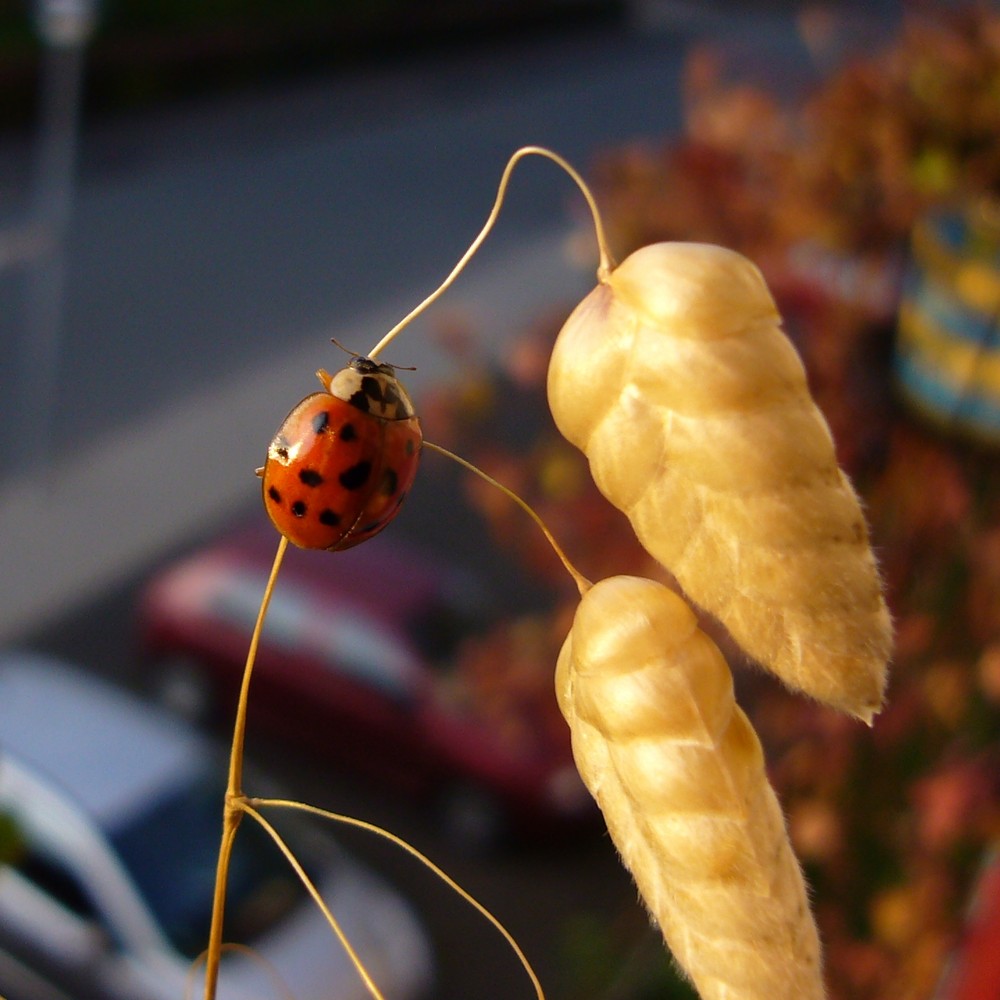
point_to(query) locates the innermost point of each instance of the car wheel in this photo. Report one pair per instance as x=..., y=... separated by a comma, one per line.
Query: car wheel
x=180, y=685
x=474, y=822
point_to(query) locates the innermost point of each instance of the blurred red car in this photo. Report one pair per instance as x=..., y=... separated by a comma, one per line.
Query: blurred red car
x=357, y=665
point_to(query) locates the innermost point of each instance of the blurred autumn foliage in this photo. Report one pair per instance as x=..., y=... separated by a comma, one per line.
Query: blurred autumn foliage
x=851, y=165
x=892, y=823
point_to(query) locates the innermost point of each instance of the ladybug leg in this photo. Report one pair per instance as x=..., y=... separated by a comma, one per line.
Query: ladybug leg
x=324, y=378
x=259, y=473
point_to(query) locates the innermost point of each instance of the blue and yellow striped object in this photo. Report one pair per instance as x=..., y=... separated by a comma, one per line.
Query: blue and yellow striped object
x=948, y=347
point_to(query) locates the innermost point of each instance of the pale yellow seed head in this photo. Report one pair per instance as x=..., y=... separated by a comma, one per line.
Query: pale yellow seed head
x=676, y=380
x=679, y=774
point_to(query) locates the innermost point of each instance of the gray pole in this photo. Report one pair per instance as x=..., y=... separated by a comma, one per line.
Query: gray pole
x=64, y=26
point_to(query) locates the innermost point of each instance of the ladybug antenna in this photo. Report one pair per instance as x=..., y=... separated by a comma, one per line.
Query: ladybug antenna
x=346, y=350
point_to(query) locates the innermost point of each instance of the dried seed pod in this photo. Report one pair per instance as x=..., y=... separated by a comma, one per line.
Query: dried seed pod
x=679, y=773
x=676, y=380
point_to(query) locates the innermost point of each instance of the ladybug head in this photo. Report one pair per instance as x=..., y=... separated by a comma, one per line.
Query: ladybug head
x=366, y=366
x=370, y=387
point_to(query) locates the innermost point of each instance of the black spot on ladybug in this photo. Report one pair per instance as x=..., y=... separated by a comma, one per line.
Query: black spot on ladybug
x=391, y=396
x=299, y=508
x=372, y=388
x=356, y=476
x=390, y=481
x=310, y=477
x=348, y=432
x=359, y=400
x=410, y=446
x=320, y=422
x=274, y=494
x=329, y=518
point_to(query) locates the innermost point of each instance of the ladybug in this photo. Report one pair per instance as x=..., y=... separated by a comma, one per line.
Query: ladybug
x=344, y=459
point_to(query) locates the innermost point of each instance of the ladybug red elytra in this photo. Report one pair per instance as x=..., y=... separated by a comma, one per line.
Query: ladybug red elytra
x=344, y=459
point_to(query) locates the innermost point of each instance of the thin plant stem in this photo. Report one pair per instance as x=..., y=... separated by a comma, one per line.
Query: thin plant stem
x=582, y=583
x=232, y=808
x=605, y=267
x=280, y=987
x=424, y=860
x=248, y=806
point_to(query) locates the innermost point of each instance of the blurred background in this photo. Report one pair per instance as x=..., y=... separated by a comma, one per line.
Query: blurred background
x=194, y=198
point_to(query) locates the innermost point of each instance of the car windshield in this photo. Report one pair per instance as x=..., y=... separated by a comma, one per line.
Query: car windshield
x=355, y=646
x=238, y=603
x=341, y=635
x=171, y=851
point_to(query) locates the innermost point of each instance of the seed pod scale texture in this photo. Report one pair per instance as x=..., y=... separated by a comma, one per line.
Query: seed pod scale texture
x=679, y=774
x=675, y=378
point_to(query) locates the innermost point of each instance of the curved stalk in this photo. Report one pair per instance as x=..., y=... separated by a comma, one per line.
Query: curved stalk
x=582, y=583
x=424, y=860
x=604, y=268
x=248, y=806
x=232, y=808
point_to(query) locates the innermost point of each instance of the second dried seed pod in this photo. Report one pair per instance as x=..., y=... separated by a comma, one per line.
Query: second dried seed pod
x=679, y=774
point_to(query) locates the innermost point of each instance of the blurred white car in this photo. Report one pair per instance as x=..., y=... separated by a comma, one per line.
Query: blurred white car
x=112, y=818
